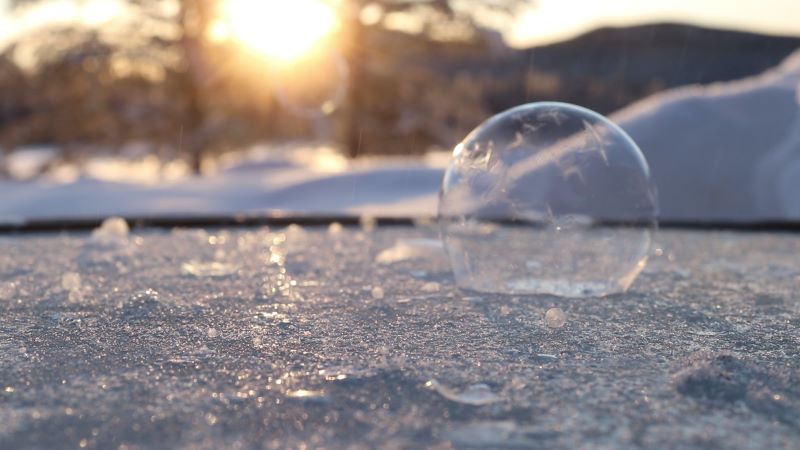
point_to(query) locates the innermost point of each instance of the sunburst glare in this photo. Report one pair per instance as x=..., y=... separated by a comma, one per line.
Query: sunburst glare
x=280, y=30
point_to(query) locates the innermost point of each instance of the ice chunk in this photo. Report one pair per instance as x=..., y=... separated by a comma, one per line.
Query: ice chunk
x=431, y=286
x=7, y=290
x=476, y=394
x=368, y=223
x=71, y=282
x=335, y=228
x=555, y=318
x=295, y=230
x=411, y=249
x=113, y=230
x=212, y=269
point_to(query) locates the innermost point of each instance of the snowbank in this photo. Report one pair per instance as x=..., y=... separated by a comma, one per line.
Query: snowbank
x=302, y=181
x=727, y=151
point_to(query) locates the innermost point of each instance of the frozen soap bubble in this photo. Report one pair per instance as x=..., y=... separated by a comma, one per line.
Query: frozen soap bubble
x=548, y=198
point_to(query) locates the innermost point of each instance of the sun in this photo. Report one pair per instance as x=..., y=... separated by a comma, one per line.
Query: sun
x=282, y=30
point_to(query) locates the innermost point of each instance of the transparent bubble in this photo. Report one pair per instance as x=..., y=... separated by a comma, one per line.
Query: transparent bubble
x=548, y=198
x=313, y=86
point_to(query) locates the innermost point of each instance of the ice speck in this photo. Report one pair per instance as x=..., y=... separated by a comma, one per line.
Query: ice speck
x=295, y=230
x=140, y=305
x=368, y=223
x=113, y=230
x=7, y=290
x=71, y=281
x=214, y=269
x=377, y=293
x=212, y=332
x=411, y=249
x=555, y=318
x=305, y=394
x=431, y=286
x=476, y=394
x=335, y=228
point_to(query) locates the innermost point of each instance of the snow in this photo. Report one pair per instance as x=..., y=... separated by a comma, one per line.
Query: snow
x=304, y=180
x=728, y=151
x=29, y=161
x=294, y=349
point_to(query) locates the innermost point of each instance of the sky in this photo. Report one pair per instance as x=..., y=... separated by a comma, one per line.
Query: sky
x=555, y=20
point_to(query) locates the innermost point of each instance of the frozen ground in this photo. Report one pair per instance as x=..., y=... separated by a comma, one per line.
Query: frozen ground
x=356, y=338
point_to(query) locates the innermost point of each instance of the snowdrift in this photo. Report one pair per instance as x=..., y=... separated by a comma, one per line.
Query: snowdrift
x=727, y=151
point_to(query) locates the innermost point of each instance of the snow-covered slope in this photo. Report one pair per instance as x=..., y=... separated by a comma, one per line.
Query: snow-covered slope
x=724, y=151
x=303, y=181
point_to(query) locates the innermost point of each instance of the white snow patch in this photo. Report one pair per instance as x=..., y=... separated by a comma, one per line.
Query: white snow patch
x=29, y=162
x=296, y=180
x=411, y=249
x=727, y=151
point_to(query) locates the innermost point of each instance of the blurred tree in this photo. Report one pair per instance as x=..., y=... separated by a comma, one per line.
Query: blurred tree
x=155, y=76
x=194, y=19
x=434, y=19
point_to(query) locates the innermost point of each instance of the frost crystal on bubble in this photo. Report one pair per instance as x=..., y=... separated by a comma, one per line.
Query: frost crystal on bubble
x=547, y=198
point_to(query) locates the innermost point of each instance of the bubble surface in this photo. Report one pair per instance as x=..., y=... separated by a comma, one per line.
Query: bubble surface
x=548, y=198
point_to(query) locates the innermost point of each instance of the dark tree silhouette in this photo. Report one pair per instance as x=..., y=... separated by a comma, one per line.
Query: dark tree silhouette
x=468, y=14
x=192, y=107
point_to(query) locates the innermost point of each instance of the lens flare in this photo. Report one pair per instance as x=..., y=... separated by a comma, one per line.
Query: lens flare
x=280, y=30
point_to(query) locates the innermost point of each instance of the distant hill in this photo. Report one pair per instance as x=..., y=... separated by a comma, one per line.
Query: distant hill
x=417, y=93
x=609, y=68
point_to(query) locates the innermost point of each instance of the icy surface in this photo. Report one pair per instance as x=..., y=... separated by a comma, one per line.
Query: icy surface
x=303, y=340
